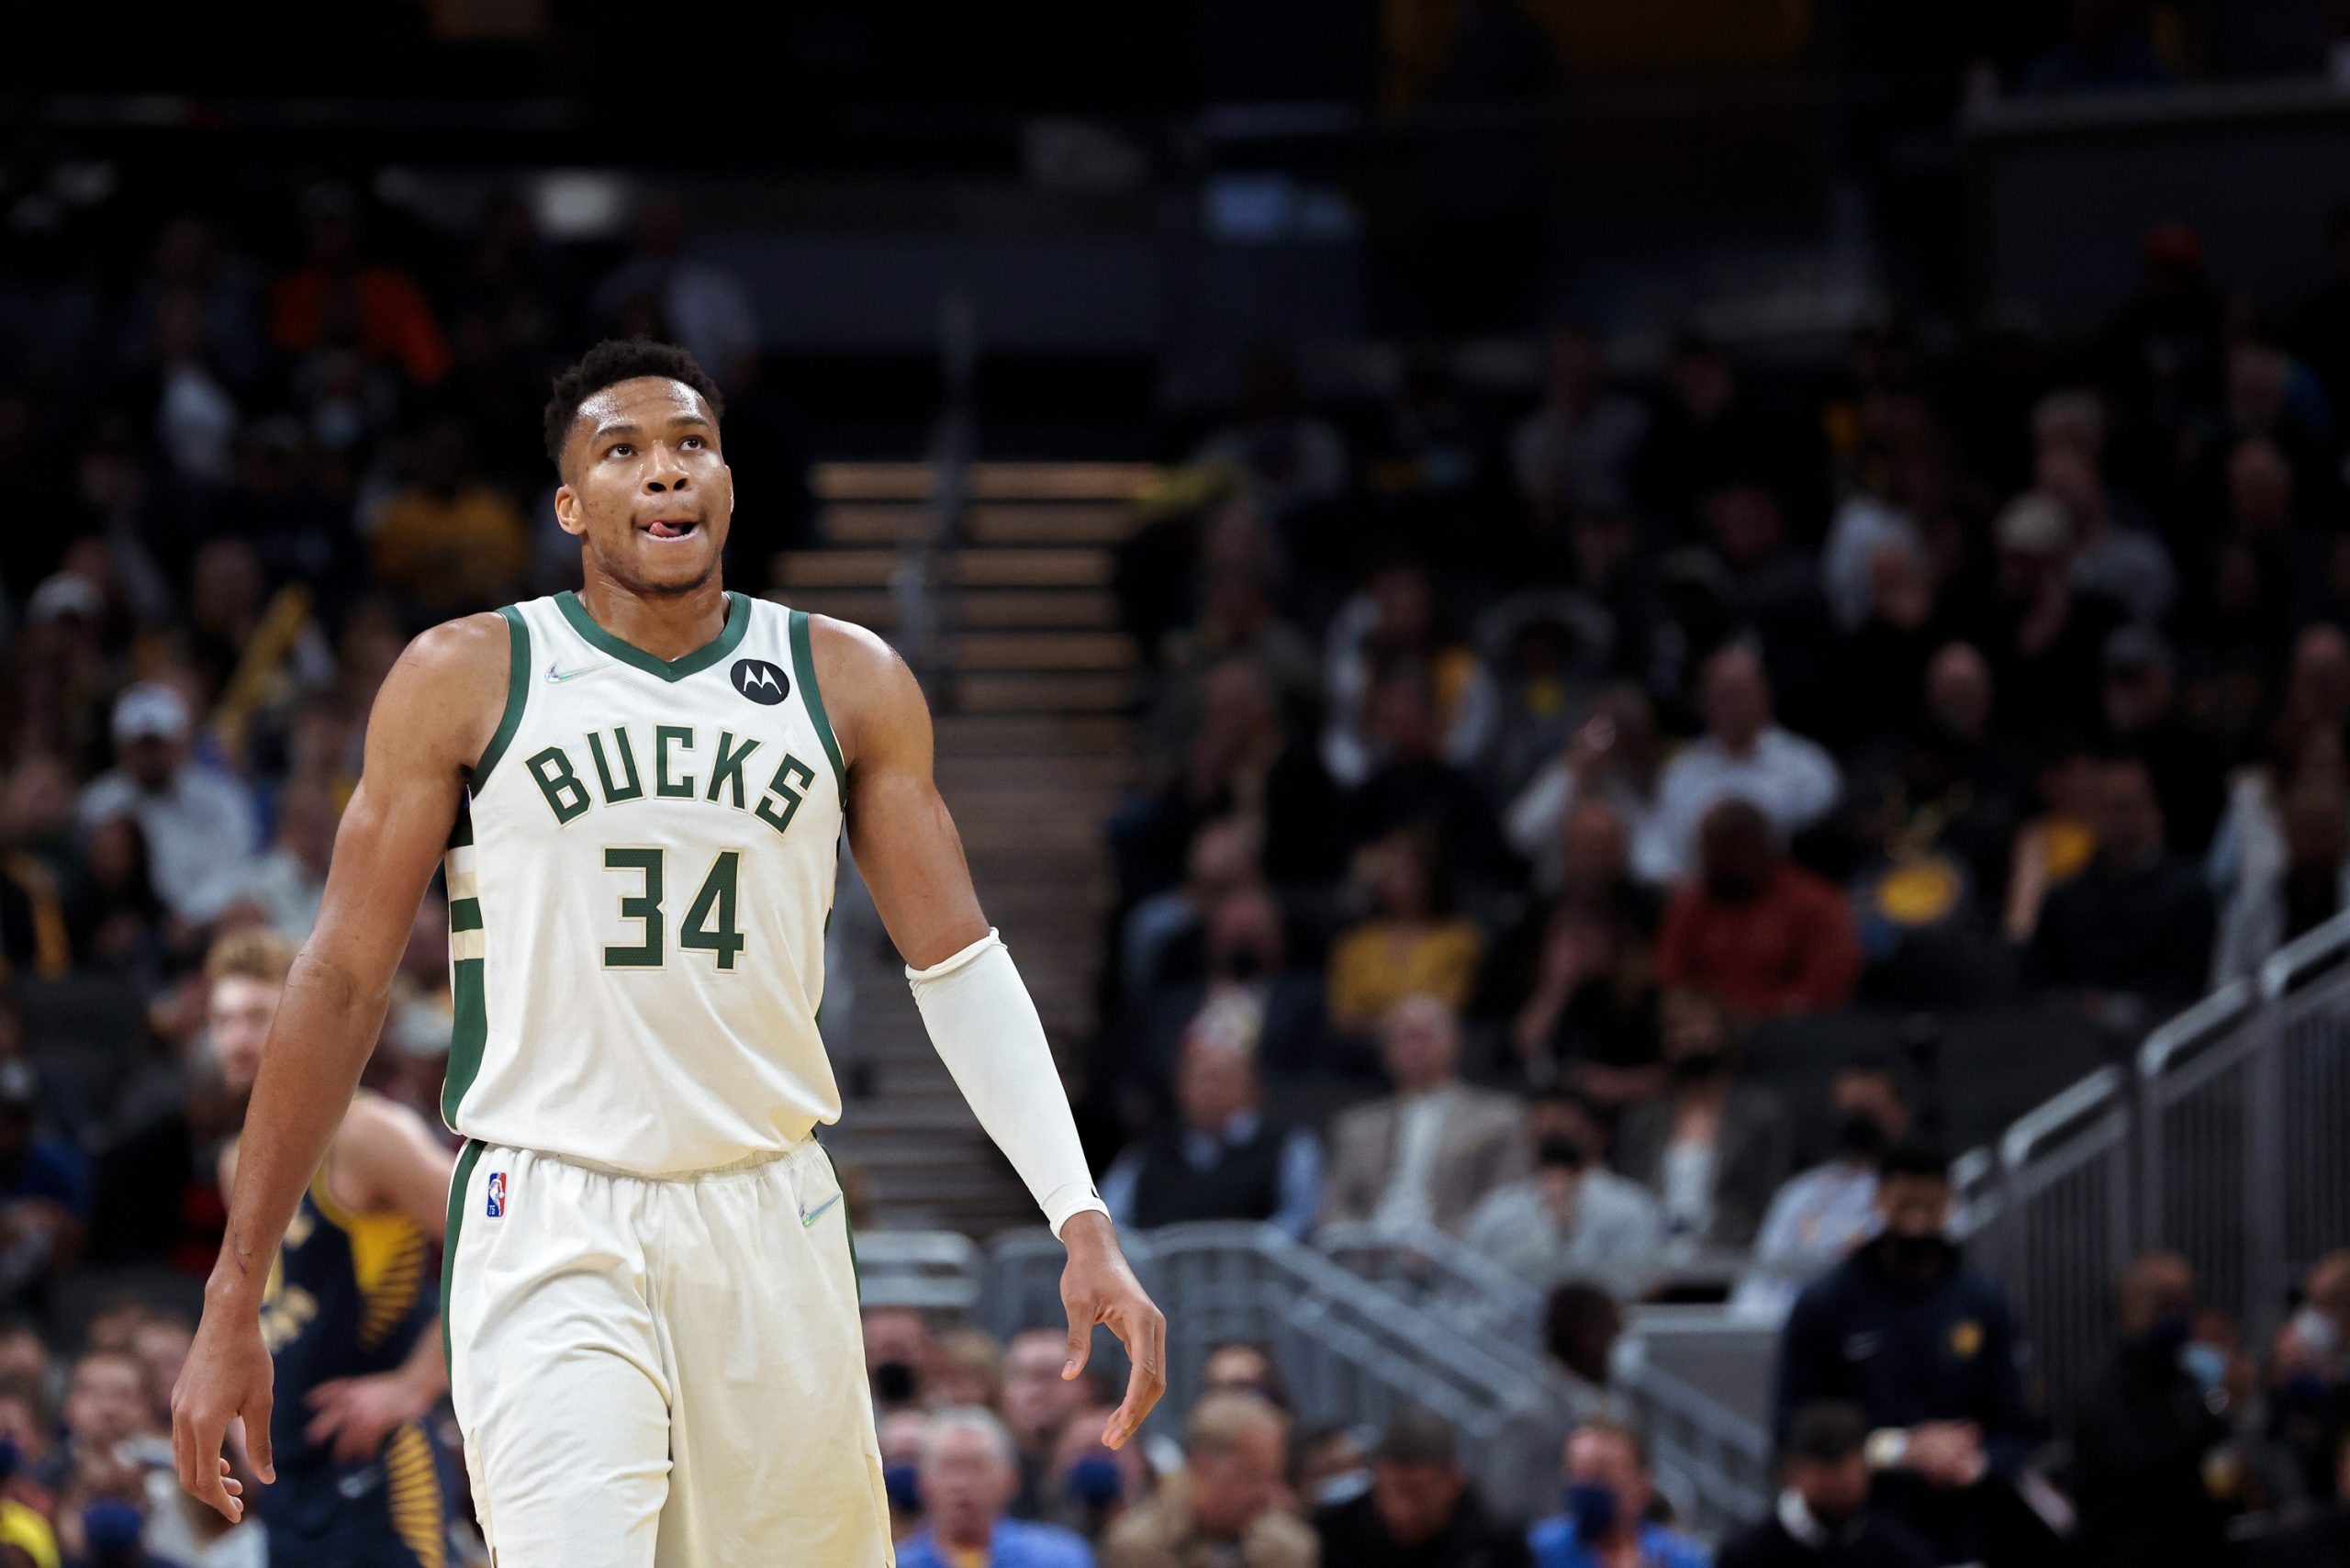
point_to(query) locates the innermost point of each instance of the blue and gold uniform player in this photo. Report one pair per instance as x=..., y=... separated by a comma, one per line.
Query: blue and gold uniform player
x=351, y=1314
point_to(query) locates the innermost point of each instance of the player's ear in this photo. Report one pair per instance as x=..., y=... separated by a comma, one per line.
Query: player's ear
x=567, y=511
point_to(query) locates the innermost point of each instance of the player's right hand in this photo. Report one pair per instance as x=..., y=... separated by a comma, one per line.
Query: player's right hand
x=228, y=1376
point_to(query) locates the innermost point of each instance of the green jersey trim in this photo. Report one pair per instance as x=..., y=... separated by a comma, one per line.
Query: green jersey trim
x=738, y=621
x=459, y=1183
x=803, y=664
x=518, y=692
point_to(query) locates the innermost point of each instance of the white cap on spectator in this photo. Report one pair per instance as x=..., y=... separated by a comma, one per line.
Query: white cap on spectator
x=150, y=710
x=67, y=593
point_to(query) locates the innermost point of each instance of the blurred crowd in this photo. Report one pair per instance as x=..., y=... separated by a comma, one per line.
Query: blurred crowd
x=1511, y=773
x=1907, y=1431
x=1535, y=797
x=1518, y=763
x=253, y=449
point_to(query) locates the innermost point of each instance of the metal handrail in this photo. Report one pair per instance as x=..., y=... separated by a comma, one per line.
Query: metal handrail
x=1713, y=1461
x=2215, y=1012
x=2322, y=947
x=2058, y=1115
x=1464, y=1281
x=937, y=1271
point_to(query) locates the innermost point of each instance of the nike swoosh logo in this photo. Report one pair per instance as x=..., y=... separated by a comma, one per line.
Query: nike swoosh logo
x=557, y=676
x=811, y=1217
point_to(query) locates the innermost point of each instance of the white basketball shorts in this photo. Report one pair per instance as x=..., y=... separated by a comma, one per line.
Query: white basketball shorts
x=661, y=1373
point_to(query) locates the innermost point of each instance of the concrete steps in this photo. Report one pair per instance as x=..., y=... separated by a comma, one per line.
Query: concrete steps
x=1034, y=751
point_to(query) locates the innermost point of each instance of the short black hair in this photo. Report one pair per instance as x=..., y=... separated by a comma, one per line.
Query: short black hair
x=1827, y=1429
x=613, y=360
x=1417, y=1436
x=1915, y=1157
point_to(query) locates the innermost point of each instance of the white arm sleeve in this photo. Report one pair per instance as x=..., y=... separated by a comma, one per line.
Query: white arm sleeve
x=986, y=1030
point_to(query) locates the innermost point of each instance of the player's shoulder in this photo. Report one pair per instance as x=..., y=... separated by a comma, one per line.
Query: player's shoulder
x=852, y=649
x=869, y=693
x=446, y=691
x=467, y=644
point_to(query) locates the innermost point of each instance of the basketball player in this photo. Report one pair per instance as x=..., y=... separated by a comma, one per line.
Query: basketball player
x=637, y=790
x=347, y=1313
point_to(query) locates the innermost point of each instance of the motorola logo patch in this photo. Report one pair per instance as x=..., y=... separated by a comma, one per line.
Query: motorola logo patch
x=761, y=681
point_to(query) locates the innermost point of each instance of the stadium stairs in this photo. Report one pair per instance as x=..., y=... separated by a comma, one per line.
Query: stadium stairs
x=1030, y=682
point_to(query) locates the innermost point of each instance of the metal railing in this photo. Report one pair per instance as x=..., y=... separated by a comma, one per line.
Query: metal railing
x=2243, y=1107
x=2064, y=1200
x=1712, y=1459
x=937, y=1271
x=2223, y=1142
x=1351, y=1353
x=1433, y=1270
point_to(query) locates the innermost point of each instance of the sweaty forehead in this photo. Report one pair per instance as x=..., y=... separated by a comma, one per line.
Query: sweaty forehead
x=647, y=400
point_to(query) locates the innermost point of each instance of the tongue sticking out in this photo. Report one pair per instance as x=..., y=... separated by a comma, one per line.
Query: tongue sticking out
x=666, y=530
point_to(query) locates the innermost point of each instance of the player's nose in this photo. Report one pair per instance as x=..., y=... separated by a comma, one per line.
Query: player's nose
x=663, y=472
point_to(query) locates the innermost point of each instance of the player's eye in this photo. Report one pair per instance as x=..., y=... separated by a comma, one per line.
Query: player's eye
x=692, y=443
x=620, y=449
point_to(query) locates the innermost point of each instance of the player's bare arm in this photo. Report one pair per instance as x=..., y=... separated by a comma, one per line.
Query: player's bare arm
x=911, y=859
x=386, y=1160
x=435, y=714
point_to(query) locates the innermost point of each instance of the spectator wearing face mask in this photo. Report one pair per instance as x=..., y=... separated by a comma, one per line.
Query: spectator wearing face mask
x=1760, y=932
x=1928, y=1347
x=1573, y=1218
x=900, y=1434
x=2148, y=1439
x=1823, y=1212
x=1606, y=1524
x=1248, y=992
x=1037, y=1402
x=900, y=1354
x=1711, y=1149
x=1420, y=1511
x=1822, y=1517
x=1093, y=1486
x=1226, y=1509
x=1220, y=1157
x=2308, y=1374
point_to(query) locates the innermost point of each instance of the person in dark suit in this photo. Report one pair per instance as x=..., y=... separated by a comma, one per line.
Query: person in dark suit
x=1928, y=1349
x=1821, y=1519
x=1712, y=1149
x=1425, y=1154
x=2133, y=930
x=1420, y=1510
x=1221, y=1157
x=2145, y=1431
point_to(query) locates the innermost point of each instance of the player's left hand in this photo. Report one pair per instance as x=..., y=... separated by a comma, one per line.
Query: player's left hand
x=1098, y=1287
x=357, y=1414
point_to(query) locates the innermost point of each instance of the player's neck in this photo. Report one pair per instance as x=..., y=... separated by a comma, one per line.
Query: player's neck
x=667, y=626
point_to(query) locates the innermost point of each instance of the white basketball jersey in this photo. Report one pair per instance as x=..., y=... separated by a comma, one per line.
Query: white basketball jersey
x=637, y=897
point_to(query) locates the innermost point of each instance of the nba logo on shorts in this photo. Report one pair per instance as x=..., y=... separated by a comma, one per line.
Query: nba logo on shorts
x=496, y=1193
